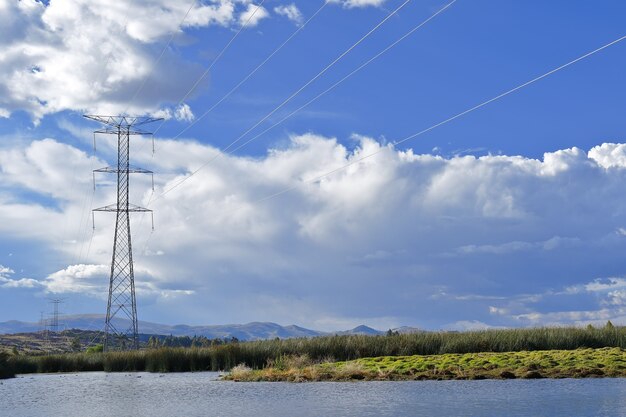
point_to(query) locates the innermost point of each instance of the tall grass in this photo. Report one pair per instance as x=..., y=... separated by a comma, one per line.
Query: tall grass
x=257, y=354
x=6, y=368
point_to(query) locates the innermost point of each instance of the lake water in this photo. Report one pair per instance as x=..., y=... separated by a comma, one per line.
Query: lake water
x=201, y=394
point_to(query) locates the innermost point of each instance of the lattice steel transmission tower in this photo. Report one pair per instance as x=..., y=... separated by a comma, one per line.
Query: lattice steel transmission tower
x=122, y=302
x=54, y=321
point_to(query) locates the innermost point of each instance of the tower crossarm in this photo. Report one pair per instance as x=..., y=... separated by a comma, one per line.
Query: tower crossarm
x=132, y=208
x=127, y=130
x=130, y=170
x=122, y=121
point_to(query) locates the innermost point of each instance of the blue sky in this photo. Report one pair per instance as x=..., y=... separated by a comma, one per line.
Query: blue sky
x=512, y=215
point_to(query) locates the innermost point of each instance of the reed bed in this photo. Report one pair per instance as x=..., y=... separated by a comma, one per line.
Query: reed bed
x=6, y=370
x=259, y=354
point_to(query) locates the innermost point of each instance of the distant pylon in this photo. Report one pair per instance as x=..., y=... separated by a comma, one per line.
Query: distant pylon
x=54, y=321
x=122, y=302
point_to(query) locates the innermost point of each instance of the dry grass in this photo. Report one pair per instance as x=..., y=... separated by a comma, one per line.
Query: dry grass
x=240, y=372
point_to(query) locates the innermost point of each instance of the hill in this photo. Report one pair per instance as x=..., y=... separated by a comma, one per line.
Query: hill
x=248, y=331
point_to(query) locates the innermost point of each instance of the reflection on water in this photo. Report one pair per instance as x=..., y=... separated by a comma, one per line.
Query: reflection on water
x=200, y=394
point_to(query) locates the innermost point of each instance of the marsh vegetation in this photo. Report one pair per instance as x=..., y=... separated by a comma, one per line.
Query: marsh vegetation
x=271, y=353
x=579, y=363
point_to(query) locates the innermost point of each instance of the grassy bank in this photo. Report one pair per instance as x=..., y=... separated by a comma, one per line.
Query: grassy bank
x=259, y=354
x=580, y=363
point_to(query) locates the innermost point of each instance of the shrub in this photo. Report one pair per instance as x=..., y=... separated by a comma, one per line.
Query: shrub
x=95, y=349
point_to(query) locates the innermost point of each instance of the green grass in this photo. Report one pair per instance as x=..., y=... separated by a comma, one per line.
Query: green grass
x=259, y=354
x=579, y=363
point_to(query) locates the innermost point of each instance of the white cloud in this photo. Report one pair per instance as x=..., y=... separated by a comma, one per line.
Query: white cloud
x=184, y=113
x=616, y=298
x=85, y=55
x=359, y=3
x=92, y=280
x=609, y=155
x=362, y=244
x=18, y=283
x=604, y=285
x=253, y=15
x=510, y=247
x=6, y=282
x=5, y=271
x=291, y=12
x=85, y=279
x=468, y=325
x=37, y=167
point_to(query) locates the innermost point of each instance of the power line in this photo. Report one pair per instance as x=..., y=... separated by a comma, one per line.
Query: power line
x=204, y=74
x=319, y=74
x=78, y=259
x=335, y=85
x=293, y=95
x=122, y=299
x=445, y=121
x=235, y=88
x=145, y=79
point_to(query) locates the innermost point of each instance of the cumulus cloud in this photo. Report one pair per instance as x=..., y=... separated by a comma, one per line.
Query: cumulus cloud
x=89, y=280
x=84, y=279
x=400, y=238
x=84, y=55
x=92, y=280
x=291, y=12
x=609, y=155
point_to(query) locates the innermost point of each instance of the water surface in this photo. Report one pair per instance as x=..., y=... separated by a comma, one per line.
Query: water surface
x=201, y=394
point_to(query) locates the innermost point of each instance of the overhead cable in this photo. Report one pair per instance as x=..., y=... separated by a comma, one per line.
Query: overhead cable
x=217, y=58
x=288, y=99
x=270, y=56
x=446, y=121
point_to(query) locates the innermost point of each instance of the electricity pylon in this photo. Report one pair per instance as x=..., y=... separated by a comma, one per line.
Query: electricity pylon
x=54, y=321
x=122, y=302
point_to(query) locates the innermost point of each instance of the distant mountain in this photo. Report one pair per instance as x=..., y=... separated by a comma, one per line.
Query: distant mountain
x=408, y=330
x=362, y=329
x=14, y=326
x=249, y=331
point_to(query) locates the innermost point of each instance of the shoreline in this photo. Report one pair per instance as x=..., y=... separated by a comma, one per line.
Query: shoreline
x=554, y=364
